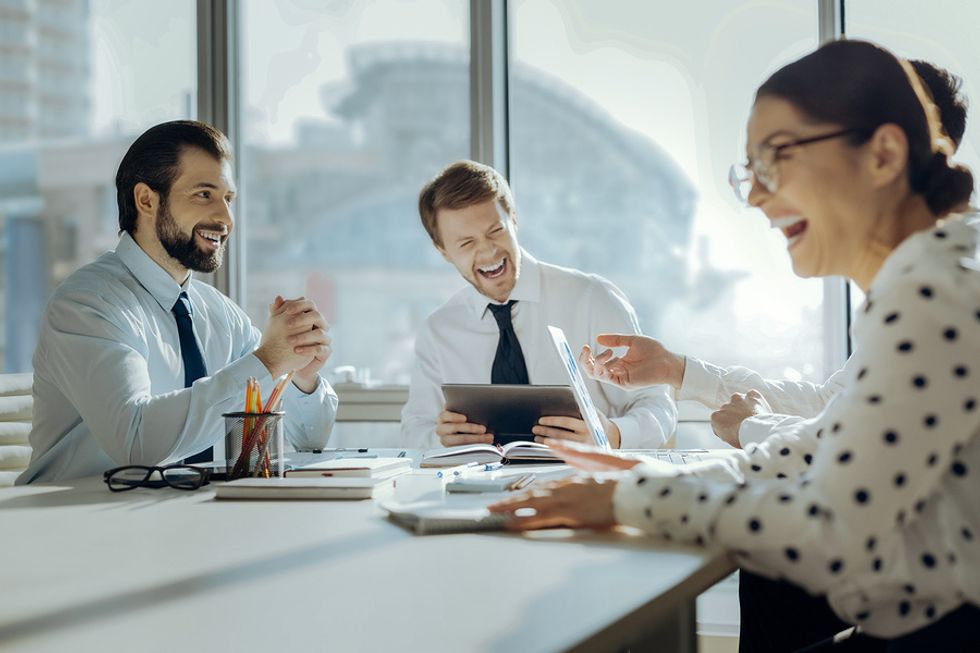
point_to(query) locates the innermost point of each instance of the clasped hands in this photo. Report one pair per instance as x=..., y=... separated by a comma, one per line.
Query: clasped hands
x=295, y=339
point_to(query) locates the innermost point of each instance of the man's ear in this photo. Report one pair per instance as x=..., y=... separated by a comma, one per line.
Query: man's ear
x=147, y=200
x=888, y=154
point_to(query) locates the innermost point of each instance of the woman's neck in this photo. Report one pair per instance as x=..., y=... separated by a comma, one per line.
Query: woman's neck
x=892, y=228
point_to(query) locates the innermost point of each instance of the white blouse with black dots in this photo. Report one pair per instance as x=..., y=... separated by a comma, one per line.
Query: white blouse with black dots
x=875, y=502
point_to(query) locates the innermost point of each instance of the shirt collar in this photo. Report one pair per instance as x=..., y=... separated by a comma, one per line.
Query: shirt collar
x=527, y=288
x=149, y=274
x=954, y=236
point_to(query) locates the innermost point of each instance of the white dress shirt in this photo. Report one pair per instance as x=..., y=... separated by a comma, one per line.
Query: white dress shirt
x=109, y=378
x=791, y=401
x=457, y=344
x=873, y=502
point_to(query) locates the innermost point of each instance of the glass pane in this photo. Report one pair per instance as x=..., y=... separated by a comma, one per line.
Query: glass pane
x=625, y=117
x=182, y=477
x=79, y=80
x=349, y=108
x=130, y=477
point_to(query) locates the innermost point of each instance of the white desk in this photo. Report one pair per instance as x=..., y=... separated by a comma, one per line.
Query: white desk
x=83, y=569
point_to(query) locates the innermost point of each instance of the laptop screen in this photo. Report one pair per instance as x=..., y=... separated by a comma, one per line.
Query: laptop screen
x=582, y=396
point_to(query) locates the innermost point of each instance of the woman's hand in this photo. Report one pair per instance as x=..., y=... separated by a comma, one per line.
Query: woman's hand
x=727, y=420
x=589, y=458
x=646, y=362
x=573, y=503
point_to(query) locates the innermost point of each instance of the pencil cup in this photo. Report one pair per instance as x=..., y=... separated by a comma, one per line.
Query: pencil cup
x=254, y=444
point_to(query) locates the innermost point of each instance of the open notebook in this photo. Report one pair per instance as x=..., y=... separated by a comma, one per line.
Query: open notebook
x=512, y=452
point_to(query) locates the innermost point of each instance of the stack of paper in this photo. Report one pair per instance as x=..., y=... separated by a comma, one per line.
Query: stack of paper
x=329, y=479
x=376, y=468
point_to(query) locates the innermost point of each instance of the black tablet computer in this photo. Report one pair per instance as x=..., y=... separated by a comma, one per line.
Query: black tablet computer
x=509, y=411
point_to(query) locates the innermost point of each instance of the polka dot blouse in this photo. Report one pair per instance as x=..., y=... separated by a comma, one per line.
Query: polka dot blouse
x=875, y=502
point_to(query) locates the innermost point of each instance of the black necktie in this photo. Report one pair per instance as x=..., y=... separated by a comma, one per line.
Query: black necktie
x=190, y=353
x=508, y=363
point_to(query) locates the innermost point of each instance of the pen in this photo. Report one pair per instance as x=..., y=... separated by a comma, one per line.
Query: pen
x=457, y=470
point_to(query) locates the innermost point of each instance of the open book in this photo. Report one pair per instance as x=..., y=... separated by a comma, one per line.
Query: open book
x=512, y=452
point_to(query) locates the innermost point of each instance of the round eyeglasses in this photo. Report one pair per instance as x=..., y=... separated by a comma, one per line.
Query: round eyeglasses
x=762, y=167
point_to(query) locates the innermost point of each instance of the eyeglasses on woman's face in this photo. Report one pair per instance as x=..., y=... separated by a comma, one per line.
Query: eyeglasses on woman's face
x=762, y=167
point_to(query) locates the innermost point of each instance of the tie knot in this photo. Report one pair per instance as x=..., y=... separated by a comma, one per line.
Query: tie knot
x=501, y=313
x=183, y=306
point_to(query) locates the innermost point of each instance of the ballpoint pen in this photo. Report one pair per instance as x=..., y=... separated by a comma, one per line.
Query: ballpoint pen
x=458, y=469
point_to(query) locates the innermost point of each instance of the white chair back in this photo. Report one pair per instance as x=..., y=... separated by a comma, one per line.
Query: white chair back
x=16, y=411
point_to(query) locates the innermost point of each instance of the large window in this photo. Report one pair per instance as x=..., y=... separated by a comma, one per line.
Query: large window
x=624, y=118
x=79, y=79
x=348, y=109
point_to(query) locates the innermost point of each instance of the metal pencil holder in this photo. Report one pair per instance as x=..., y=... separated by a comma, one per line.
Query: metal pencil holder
x=254, y=444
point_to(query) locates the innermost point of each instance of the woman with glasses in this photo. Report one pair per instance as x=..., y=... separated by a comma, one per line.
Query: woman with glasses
x=872, y=505
x=747, y=407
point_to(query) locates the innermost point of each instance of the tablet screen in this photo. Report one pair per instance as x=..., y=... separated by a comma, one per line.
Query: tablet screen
x=582, y=396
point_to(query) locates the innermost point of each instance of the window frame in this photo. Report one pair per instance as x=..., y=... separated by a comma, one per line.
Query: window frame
x=219, y=28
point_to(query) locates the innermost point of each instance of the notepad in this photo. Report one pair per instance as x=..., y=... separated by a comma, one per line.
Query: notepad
x=376, y=468
x=511, y=452
x=435, y=517
x=302, y=488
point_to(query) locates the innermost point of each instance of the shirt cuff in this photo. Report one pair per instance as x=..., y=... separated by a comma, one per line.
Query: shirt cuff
x=669, y=501
x=629, y=432
x=634, y=488
x=758, y=428
x=700, y=382
x=310, y=417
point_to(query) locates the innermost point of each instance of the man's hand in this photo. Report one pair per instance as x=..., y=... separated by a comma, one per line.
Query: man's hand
x=646, y=362
x=295, y=339
x=572, y=428
x=727, y=420
x=453, y=429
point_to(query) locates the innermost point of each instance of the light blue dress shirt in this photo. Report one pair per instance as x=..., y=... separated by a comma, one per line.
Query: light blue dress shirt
x=109, y=379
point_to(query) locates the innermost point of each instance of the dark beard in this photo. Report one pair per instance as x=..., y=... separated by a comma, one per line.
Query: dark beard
x=182, y=248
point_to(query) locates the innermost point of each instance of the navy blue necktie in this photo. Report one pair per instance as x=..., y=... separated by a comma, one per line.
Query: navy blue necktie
x=190, y=353
x=508, y=363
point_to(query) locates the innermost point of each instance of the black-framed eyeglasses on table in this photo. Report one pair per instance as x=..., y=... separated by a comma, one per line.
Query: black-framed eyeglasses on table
x=180, y=477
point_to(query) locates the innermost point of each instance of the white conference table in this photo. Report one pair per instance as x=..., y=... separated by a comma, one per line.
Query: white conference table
x=84, y=569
